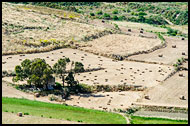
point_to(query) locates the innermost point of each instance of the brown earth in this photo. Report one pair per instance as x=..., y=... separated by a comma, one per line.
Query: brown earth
x=120, y=44
x=119, y=72
x=168, y=92
x=170, y=55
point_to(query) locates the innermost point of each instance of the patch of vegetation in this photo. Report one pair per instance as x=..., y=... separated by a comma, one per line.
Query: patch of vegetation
x=152, y=120
x=58, y=111
x=178, y=63
x=26, y=113
x=171, y=31
x=161, y=37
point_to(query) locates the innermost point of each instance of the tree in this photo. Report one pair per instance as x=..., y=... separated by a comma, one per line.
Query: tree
x=71, y=80
x=36, y=72
x=79, y=67
x=59, y=68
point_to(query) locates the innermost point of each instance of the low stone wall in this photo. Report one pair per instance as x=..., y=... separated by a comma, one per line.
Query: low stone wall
x=116, y=88
x=171, y=109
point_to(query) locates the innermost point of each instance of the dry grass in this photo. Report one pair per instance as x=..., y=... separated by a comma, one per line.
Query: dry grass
x=23, y=27
x=146, y=27
x=120, y=44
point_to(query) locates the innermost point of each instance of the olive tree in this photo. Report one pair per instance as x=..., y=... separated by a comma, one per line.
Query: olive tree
x=36, y=72
x=59, y=68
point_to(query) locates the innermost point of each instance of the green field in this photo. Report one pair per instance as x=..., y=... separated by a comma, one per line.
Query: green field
x=152, y=120
x=58, y=111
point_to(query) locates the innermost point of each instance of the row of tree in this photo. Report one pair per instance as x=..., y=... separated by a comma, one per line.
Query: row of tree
x=37, y=72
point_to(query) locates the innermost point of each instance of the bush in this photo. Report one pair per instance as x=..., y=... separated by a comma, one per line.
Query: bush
x=99, y=12
x=58, y=85
x=92, y=14
x=120, y=18
x=83, y=88
x=142, y=13
x=26, y=113
x=115, y=11
x=115, y=18
x=172, y=32
x=106, y=16
x=79, y=67
x=116, y=26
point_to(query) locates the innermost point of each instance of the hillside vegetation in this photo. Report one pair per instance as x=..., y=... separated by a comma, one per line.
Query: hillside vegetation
x=160, y=13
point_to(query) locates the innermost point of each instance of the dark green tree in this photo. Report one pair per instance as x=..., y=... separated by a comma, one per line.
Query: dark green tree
x=59, y=68
x=79, y=67
x=36, y=72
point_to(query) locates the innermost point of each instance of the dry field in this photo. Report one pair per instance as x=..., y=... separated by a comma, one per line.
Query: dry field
x=12, y=118
x=134, y=25
x=168, y=92
x=24, y=26
x=100, y=100
x=120, y=44
x=170, y=55
x=120, y=72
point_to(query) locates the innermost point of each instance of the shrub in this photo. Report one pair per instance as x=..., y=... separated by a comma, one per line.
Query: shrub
x=80, y=121
x=120, y=18
x=115, y=17
x=83, y=88
x=99, y=12
x=68, y=119
x=106, y=16
x=142, y=13
x=116, y=26
x=79, y=67
x=115, y=11
x=58, y=85
x=92, y=14
x=172, y=32
x=26, y=113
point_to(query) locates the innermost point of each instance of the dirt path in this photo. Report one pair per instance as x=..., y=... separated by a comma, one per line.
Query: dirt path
x=12, y=118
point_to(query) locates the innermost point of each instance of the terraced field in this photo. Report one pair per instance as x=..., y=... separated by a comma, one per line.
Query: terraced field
x=117, y=53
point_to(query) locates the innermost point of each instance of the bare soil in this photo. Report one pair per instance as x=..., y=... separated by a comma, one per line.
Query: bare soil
x=170, y=55
x=120, y=44
x=119, y=72
x=169, y=92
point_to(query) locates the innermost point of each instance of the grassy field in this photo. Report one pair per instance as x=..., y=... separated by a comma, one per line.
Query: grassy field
x=58, y=111
x=152, y=120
